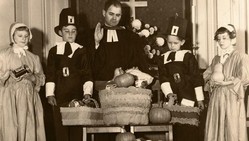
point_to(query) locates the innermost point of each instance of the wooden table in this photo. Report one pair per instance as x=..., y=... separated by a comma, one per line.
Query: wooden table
x=167, y=128
x=100, y=129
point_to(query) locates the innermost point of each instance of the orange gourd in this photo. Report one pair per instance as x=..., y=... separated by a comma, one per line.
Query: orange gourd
x=124, y=80
x=159, y=115
x=126, y=136
x=217, y=74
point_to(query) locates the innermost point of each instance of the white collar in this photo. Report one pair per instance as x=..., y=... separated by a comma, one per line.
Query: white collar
x=20, y=51
x=225, y=54
x=61, y=47
x=112, y=36
x=179, y=56
x=227, y=51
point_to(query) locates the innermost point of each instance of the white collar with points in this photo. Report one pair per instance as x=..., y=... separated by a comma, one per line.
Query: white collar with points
x=179, y=56
x=61, y=48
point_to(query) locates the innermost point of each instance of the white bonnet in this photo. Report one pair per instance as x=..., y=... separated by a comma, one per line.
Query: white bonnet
x=232, y=31
x=229, y=27
x=16, y=25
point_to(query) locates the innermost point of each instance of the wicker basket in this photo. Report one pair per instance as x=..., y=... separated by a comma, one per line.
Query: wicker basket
x=184, y=114
x=82, y=115
x=125, y=106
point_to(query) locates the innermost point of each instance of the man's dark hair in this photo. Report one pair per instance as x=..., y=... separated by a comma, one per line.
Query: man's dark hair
x=116, y=3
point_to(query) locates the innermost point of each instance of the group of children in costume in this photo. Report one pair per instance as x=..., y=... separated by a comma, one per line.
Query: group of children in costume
x=69, y=76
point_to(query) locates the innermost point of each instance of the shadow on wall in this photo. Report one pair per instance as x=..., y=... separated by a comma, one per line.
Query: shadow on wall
x=83, y=29
x=38, y=45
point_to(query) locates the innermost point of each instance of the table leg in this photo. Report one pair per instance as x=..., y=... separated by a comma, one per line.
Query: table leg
x=132, y=129
x=92, y=137
x=84, y=134
x=171, y=133
x=167, y=136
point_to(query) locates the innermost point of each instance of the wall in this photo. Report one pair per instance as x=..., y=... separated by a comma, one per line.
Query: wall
x=7, y=18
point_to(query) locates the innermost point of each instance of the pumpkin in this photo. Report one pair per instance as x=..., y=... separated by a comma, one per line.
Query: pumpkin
x=124, y=80
x=126, y=136
x=218, y=75
x=159, y=115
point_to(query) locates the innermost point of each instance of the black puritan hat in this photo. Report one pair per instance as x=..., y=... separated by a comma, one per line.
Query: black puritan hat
x=67, y=17
x=177, y=27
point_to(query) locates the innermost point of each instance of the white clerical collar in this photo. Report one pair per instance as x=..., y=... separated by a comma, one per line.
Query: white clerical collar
x=61, y=48
x=112, y=36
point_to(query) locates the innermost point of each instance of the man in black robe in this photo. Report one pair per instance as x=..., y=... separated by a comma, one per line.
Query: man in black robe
x=114, y=46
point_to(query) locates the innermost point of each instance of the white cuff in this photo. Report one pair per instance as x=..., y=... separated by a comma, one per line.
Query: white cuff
x=199, y=93
x=187, y=102
x=166, y=88
x=88, y=87
x=50, y=86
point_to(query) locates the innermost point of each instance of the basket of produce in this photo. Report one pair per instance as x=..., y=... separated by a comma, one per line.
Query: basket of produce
x=125, y=106
x=184, y=114
x=82, y=112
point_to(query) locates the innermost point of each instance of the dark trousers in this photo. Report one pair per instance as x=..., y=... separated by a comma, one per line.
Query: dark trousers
x=65, y=133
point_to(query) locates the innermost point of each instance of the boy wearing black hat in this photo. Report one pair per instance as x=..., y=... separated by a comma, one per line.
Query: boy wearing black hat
x=68, y=74
x=179, y=75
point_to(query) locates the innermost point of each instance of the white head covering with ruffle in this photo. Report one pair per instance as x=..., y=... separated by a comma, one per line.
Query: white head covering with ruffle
x=19, y=50
x=16, y=25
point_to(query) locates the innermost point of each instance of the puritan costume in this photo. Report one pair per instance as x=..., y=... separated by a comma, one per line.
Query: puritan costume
x=226, y=115
x=180, y=75
x=21, y=112
x=68, y=76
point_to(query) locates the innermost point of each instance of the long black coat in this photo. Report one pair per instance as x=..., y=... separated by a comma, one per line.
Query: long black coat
x=182, y=73
x=126, y=53
x=70, y=87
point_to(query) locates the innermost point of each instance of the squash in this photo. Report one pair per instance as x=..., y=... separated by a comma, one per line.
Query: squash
x=126, y=136
x=159, y=115
x=124, y=80
x=218, y=75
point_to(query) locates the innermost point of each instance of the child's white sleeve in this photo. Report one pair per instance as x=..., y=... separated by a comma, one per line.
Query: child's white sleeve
x=88, y=87
x=199, y=93
x=50, y=86
x=165, y=87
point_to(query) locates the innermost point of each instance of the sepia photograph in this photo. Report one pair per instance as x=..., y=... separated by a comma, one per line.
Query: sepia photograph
x=124, y=70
